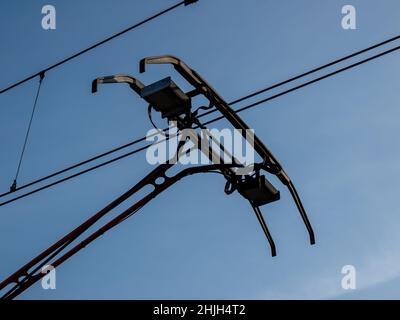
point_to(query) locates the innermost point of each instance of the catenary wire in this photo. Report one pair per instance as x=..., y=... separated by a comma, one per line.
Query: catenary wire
x=206, y=123
x=204, y=114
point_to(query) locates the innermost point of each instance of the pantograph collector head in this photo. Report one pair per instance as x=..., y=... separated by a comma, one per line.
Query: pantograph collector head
x=174, y=104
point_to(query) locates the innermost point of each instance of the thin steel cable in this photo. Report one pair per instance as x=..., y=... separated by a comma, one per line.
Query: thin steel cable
x=93, y=46
x=29, y=128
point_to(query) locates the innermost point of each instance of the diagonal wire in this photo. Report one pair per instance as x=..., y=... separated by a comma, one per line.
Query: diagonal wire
x=28, y=131
x=97, y=45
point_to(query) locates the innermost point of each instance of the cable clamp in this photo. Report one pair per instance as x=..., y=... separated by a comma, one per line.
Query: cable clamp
x=13, y=187
x=189, y=2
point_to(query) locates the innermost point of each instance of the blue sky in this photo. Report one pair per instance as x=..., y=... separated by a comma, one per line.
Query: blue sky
x=337, y=139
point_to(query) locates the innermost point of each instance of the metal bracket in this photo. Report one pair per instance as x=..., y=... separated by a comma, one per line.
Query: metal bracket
x=133, y=83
